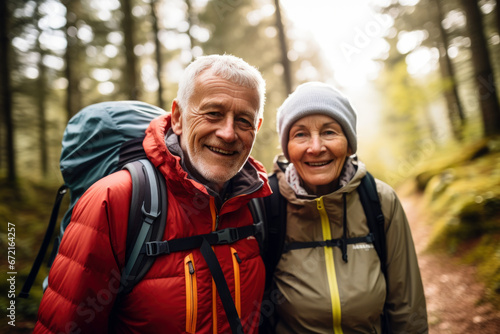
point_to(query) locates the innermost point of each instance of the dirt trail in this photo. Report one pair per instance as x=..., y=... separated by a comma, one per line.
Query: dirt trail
x=452, y=291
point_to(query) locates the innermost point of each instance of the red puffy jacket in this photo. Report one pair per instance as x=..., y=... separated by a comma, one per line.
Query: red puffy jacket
x=177, y=295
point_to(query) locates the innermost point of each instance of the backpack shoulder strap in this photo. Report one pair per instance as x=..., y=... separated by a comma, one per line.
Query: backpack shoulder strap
x=256, y=207
x=376, y=223
x=373, y=211
x=147, y=219
x=275, y=205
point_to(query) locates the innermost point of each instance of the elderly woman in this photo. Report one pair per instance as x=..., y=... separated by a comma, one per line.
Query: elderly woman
x=328, y=289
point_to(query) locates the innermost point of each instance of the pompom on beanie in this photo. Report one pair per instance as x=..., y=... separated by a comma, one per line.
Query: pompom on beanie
x=316, y=98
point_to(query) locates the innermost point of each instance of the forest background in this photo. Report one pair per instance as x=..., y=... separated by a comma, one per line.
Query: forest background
x=423, y=76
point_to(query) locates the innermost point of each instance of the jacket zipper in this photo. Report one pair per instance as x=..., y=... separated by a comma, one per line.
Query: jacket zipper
x=237, y=285
x=330, y=267
x=191, y=294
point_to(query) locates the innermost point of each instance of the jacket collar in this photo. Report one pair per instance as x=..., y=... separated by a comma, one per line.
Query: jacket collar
x=349, y=179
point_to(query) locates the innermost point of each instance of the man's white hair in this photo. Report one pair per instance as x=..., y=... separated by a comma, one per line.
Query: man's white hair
x=227, y=67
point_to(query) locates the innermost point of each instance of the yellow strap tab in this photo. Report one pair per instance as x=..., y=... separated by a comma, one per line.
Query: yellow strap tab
x=237, y=284
x=191, y=294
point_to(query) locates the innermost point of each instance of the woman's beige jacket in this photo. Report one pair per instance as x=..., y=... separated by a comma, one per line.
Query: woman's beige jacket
x=320, y=293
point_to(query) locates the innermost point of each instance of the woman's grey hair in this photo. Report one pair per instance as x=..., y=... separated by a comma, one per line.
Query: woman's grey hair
x=228, y=67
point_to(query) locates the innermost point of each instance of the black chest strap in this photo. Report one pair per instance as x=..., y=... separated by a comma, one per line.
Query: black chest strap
x=341, y=243
x=220, y=237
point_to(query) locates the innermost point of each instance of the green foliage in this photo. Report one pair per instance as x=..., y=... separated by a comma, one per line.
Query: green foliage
x=441, y=164
x=486, y=256
x=463, y=195
x=466, y=198
x=404, y=111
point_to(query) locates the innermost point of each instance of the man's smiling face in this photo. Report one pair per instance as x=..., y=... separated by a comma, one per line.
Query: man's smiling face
x=218, y=126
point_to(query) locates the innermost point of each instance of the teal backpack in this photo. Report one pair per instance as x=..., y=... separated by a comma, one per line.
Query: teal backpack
x=99, y=140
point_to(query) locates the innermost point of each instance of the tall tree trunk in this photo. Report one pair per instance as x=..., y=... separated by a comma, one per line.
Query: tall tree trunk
x=159, y=62
x=6, y=100
x=285, y=62
x=42, y=119
x=130, y=71
x=73, y=101
x=455, y=110
x=41, y=96
x=191, y=21
x=485, y=82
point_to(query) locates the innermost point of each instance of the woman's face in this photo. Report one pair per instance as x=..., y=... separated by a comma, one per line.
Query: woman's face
x=318, y=149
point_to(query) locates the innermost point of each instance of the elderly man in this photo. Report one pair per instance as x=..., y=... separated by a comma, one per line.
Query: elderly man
x=203, y=150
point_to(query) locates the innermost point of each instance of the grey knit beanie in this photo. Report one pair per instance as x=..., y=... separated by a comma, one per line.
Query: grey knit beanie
x=316, y=98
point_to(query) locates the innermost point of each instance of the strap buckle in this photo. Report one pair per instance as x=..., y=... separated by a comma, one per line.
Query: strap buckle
x=370, y=238
x=155, y=248
x=333, y=242
x=227, y=236
x=148, y=216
